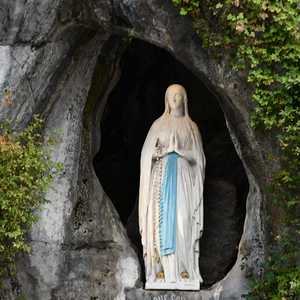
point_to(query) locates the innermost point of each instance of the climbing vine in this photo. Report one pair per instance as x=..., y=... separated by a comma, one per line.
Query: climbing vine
x=26, y=171
x=262, y=37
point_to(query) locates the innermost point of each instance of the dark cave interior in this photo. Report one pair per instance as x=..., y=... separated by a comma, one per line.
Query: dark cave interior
x=135, y=102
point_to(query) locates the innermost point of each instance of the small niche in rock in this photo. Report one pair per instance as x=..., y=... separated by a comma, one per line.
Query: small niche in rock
x=135, y=102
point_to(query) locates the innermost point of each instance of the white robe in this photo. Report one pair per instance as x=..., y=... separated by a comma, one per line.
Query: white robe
x=189, y=206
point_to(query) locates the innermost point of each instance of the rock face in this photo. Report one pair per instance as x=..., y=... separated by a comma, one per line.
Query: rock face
x=60, y=58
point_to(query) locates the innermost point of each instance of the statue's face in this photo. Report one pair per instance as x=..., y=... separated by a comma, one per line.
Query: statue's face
x=175, y=99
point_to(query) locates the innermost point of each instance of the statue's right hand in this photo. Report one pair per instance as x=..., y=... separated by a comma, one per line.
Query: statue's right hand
x=161, y=155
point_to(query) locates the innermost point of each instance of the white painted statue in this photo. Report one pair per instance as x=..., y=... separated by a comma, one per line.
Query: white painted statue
x=171, y=197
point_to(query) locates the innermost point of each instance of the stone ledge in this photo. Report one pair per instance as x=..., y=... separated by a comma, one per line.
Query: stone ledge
x=139, y=293
x=189, y=285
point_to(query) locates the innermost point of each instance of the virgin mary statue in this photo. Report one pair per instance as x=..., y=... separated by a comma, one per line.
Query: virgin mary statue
x=171, y=197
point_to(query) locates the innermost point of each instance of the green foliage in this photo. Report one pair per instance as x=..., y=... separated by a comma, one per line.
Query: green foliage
x=281, y=279
x=187, y=7
x=26, y=171
x=262, y=37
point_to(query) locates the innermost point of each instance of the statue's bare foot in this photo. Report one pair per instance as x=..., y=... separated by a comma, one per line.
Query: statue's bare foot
x=160, y=275
x=184, y=275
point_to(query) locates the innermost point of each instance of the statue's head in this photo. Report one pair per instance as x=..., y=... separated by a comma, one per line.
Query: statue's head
x=176, y=98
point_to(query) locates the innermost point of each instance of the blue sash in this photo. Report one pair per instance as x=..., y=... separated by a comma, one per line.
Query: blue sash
x=167, y=224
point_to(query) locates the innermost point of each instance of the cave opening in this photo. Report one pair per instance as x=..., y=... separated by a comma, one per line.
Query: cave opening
x=132, y=106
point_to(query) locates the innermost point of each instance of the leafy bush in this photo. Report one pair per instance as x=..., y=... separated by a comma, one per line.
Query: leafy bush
x=280, y=281
x=262, y=37
x=25, y=174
